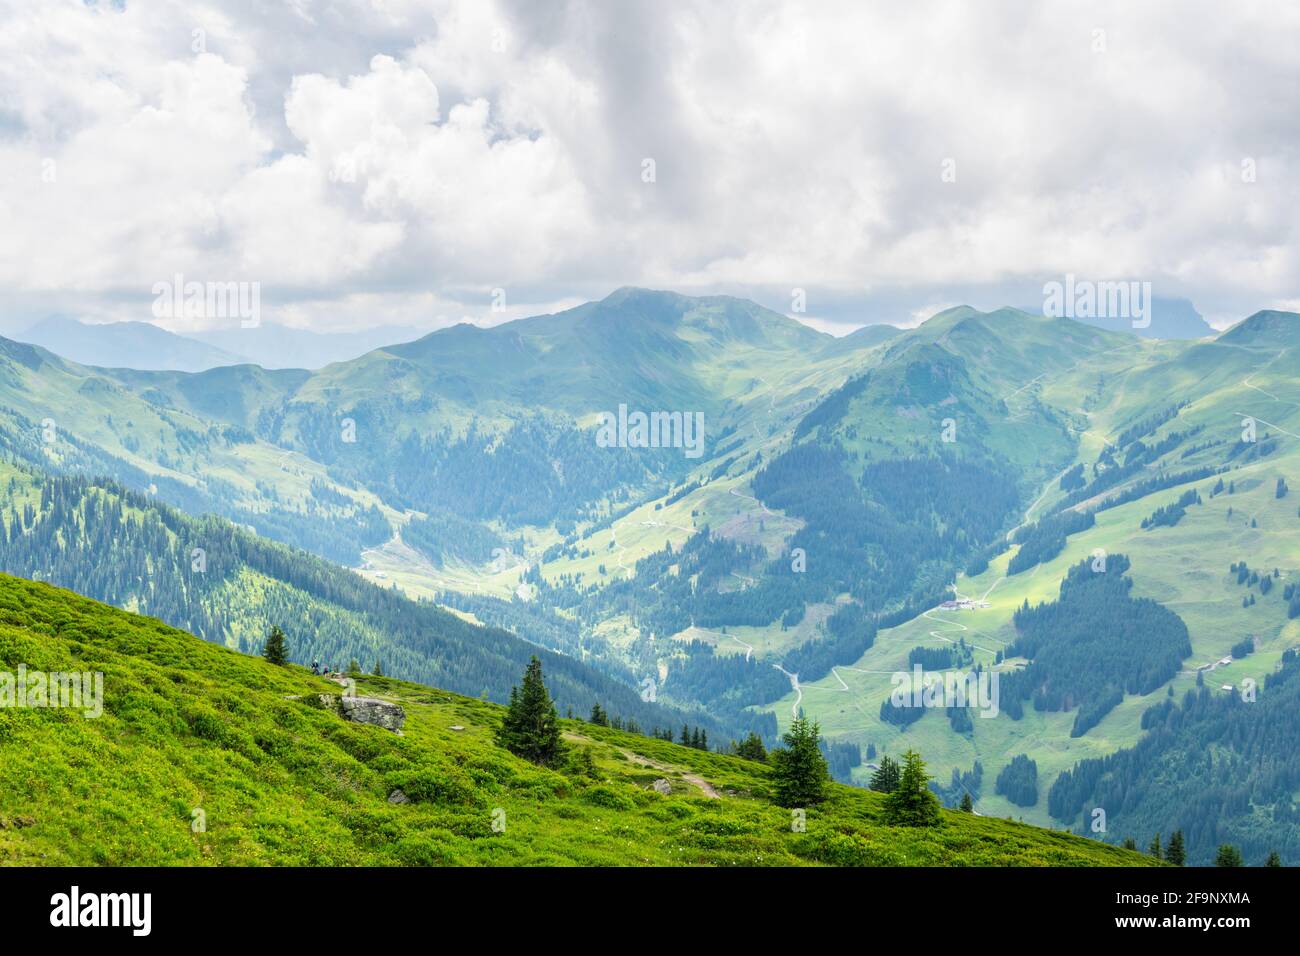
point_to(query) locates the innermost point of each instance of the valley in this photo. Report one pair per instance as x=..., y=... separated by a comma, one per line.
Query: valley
x=845, y=489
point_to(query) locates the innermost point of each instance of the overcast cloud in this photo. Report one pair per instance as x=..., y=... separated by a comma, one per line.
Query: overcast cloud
x=392, y=162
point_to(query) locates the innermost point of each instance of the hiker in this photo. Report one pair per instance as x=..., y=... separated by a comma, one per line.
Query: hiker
x=315, y=667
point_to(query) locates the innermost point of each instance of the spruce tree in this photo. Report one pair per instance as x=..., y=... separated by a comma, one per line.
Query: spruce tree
x=686, y=736
x=885, y=779
x=379, y=669
x=1130, y=844
x=1228, y=855
x=1154, y=849
x=276, y=649
x=531, y=727
x=966, y=805
x=1176, y=852
x=1273, y=859
x=751, y=748
x=799, y=770
x=912, y=804
x=598, y=716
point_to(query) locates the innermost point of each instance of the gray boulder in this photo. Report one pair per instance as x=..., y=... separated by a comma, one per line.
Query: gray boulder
x=367, y=710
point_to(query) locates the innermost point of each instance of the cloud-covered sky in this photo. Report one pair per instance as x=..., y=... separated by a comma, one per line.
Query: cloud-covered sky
x=375, y=162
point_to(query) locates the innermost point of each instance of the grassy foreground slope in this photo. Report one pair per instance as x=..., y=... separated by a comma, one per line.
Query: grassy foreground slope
x=189, y=726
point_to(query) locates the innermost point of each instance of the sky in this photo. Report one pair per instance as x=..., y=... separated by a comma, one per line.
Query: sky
x=377, y=162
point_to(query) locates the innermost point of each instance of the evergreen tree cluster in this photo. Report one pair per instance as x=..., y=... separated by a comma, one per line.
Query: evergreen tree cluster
x=1218, y=768
x=1045, y=539
x=911, y=803
x=1166, y=516
x=751, y=748
x=841, y=757
x=126, y=549
x=1018, y=781
x=887, y=775
x=443, y=534
x=964, y=785
x=1092, y=645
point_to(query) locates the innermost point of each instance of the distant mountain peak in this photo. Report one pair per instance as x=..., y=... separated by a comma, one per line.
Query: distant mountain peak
x=1268, y=326
x=135, y=345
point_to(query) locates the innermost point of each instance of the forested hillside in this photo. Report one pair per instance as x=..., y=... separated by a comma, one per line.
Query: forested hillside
x=935, y=497
x=1221, y=767
x=230, y=586
x=217, y=758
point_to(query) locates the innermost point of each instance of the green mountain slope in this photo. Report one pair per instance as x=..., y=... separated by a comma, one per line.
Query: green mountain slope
x=206, y=757
x=1155, y=424
x=1223, y=768
x=66, y=418
x=230, y=586
x=474, y=481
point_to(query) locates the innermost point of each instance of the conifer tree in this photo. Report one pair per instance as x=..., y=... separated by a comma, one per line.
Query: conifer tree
x=379, y=669
x=913, y=804
x=1130, y=844
x=686, y=736
x=531, y=727
x=1228, y=855
x=751, y=748
x=276, y=649
x=1154, y=849
x=1176, y=852
x=885, y=779
x=799, y=770
x=1273, y=859
x=598, y=716
x=966, y=805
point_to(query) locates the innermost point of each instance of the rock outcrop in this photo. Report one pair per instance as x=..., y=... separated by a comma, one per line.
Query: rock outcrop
x=367, y=710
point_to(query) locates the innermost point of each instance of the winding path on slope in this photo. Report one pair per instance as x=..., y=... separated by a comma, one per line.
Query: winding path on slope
x=1246, y=381
x=1269, y=424
x=733, y=491
x=618, y=555
x=693, y=779
x=794, y=685
x=961, y=627
x=667, y=524
x=749, y=648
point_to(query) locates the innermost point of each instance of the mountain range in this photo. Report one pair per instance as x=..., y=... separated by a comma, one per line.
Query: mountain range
x=861, y=504
x=148, y=347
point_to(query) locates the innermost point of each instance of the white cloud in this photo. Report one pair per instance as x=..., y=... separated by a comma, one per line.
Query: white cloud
x=417, y=154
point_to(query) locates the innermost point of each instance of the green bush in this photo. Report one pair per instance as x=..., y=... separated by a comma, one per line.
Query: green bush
x=446, y=785
x=846, y=849
x=607, y=797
